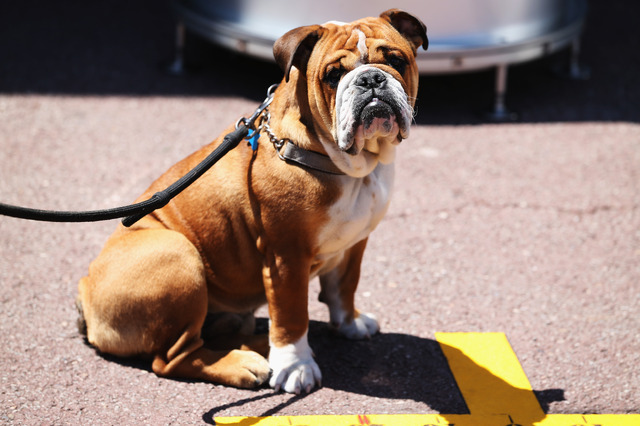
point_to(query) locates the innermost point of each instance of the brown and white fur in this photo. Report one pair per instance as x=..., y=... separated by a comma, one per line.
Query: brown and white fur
x=255, y=229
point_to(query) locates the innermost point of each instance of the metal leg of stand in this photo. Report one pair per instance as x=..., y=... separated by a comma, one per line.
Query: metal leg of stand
x=500, y=111
x=177, y=66
x=577, y=71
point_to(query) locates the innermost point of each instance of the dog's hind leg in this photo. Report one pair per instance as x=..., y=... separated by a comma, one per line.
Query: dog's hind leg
x=227, y=330
x=239, y=368
x=146, y=294
x=233, y=357
x=188, y=358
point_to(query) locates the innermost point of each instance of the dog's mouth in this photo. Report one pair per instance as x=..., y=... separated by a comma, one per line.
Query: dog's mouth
x=376, y=121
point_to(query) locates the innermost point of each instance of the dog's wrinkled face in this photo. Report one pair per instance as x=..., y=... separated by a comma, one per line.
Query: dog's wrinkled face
x=372, y=112
x=361, y=82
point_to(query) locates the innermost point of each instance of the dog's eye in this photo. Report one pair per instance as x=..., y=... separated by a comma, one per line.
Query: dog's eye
x=397, y=63
x=333, y=76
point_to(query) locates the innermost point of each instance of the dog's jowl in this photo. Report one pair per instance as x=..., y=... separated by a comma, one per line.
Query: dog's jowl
x=256, y=228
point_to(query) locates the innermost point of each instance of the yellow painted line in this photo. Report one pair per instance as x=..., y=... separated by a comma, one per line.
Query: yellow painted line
x=489, y=374
x=432, y=420
x=590, y=420
x=492, y=383
x=338, y=420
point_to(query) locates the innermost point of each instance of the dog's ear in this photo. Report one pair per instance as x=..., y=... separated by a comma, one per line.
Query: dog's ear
x=294, y=48
x=412, y=28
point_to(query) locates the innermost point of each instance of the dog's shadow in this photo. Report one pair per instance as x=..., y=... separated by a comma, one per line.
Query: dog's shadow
x=391, y=366
x=388, y=366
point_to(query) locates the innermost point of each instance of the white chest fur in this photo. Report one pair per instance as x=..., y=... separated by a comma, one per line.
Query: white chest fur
x=357, y=212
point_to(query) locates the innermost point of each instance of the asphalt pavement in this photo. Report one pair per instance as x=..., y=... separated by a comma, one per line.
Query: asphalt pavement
x=529, y=228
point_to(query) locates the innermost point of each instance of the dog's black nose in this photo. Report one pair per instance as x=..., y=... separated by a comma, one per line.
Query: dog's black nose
x=372, y=79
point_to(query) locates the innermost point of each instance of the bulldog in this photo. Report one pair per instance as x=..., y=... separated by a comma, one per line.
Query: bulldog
x=180, y=287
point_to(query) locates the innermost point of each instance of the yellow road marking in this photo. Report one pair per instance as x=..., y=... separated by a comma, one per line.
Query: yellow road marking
x=492, y=383
x=489, y=374
x=431, y=420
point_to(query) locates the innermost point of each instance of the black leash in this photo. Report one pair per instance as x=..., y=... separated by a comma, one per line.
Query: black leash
x=135, y=212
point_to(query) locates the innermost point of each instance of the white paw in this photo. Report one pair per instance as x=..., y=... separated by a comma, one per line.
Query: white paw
x=293, y=368
x=362, y=327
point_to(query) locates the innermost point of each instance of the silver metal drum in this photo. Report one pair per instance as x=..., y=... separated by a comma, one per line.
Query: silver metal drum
x=464, y=35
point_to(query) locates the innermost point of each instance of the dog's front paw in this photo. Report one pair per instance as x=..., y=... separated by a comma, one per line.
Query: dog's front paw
x=293, y=368
x=362, y=327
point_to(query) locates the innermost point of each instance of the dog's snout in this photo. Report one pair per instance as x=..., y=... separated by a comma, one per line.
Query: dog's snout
x=373, y=79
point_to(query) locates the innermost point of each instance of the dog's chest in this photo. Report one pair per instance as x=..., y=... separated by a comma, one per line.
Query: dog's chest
x=359, y=209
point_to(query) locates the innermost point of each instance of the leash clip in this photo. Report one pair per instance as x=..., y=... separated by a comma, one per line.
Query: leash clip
x=249, y=123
